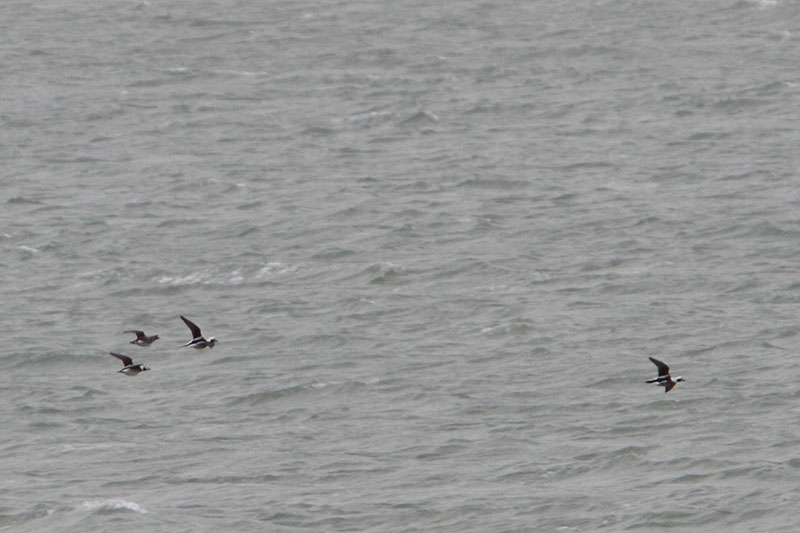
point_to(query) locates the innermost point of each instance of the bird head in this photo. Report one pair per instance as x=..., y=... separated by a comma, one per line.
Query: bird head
x=679, y=378
x=211, y=342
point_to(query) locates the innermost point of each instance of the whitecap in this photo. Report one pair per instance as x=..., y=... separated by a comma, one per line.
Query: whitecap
x=236, y=276
x=371, y=117
x=274, y=268
x=190, y=279
x=112, y=505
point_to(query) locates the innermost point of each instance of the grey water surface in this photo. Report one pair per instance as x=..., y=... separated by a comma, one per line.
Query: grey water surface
x=437, y=242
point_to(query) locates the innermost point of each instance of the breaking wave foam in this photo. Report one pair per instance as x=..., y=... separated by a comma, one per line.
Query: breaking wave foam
x=112, y=505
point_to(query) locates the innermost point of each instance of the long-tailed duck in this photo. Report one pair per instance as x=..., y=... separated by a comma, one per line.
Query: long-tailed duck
x=142, y=339
x=664, y=378
x=197, y=338
x=128, y=368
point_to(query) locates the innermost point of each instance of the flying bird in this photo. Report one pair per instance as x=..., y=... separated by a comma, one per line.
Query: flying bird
x=142, y=339
x=664, y=378
x=128, y=368
x=197, y=338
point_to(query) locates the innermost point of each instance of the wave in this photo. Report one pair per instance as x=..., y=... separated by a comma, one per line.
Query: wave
x=226, y=276
x=111, y=505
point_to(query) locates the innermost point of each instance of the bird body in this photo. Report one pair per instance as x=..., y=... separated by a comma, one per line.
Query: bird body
x=198, y=341
x=128, y=367
x=142, y=339
x=664, y=379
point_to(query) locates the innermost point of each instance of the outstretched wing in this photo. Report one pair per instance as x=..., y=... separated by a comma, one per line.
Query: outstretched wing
x=126, y=361
x=192, y=326
x=139, y=334
x=663, y=369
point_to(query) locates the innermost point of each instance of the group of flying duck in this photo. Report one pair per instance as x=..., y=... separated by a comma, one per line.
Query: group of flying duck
x=129, y=368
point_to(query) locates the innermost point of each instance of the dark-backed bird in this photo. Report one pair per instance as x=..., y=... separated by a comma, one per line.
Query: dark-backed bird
x=197, y=338
x=142, y=339
x=128, y=368
x=664, y=378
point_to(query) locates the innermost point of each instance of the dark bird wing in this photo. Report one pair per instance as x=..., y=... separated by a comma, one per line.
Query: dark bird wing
x=126, y=361
x=192, y=326
x=663, y=370
x=139, y=334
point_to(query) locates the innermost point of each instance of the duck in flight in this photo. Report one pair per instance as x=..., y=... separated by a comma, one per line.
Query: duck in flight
x=142, y=339
x=197, y=338
x=664, y=378
x=128, y=368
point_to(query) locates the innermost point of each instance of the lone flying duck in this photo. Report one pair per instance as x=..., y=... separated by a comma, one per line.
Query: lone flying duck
x=142, y=339
x=197, y=338
x=128, y=368
x=664, y=378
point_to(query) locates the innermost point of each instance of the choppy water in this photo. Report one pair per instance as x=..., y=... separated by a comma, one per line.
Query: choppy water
x=436, y=242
